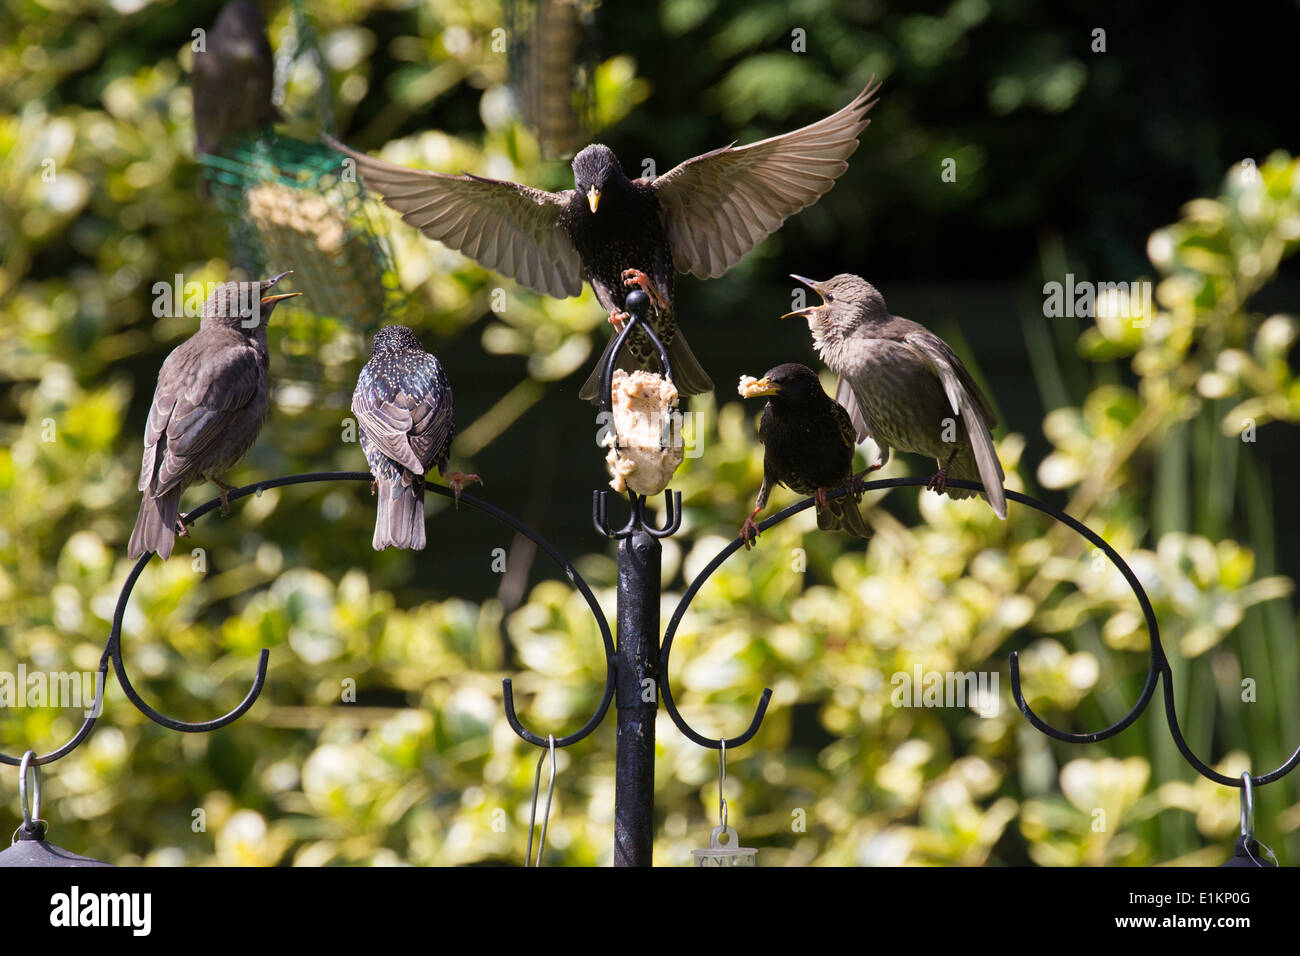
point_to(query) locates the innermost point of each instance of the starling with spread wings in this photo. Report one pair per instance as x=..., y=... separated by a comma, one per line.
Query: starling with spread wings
x=700, y=217
x=207, y=410
x=403, y=405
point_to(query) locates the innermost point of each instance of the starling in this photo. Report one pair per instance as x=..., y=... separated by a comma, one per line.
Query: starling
x=808, y=445
x=403, y=404
x=209, y=405
x=233, y=77
x=905, y=387
x=700, y=217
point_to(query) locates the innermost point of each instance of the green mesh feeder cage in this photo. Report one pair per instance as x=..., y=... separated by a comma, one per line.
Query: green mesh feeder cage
x=288, y=205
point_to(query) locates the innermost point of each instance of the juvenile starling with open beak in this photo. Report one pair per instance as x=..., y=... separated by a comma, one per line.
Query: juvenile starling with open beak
x=209, y=405
x=905, y=387
x=233, y=77
x=700, y=217
x=403, y=405
x=808, y=446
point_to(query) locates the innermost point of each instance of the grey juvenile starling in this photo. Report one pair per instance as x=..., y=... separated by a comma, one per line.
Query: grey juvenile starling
x=700, y=217
x=403, y=405
x=904, y=386
x=808, y=445
x=233, y=77
x=209, y=405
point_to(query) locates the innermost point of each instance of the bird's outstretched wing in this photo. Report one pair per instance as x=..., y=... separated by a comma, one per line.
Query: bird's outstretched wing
x=970, y=404
x=503, y=226
x=192, y=408
x=412, y=425
x=720, y=205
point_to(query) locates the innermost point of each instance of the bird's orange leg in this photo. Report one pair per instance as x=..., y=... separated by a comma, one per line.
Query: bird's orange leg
x=458, y=480
x=749, y=530
x=635, y=277
x=617, y=317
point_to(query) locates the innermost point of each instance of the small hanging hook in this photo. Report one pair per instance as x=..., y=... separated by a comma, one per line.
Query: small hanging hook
x=32, y=823
x=722, y=780
x=546, y=815
x=1247, y=808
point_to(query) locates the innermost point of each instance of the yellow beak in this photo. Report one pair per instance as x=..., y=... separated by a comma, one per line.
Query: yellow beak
x=593, y=198
x=759, y=387
x=807, y=310
x=272, y=299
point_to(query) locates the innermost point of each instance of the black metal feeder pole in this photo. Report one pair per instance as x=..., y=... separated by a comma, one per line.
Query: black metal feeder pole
x=637, y=698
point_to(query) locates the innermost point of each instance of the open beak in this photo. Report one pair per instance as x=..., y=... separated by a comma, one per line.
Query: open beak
x=808, y=310
x=279, y=297
x=268, y=283
x=754, y=387
x=593, y=197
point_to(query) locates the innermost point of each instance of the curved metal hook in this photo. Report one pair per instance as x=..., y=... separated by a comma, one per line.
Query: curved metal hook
x=639, y=519
x=83, y=731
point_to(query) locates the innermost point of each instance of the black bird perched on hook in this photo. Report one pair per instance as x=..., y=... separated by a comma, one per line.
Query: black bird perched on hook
x=403, y=404
x=700, y=217
x=233, y=77
x=904, y=386
x=808, y=445
x=208, y=408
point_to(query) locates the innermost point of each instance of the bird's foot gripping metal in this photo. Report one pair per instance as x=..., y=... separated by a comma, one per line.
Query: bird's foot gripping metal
x=857, y=484
x=638, y=279
x=457, y=480
x=938, y=482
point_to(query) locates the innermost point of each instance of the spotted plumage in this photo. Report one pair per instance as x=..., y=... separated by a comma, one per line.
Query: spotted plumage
x=207, y=409
x=905, y=387
x=808, y=445
x=403, y=404
x=701, y=217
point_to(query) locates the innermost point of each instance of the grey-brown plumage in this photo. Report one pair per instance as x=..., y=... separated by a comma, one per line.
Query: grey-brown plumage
x=700, y=217
x=404, y=408
x=808, y=444
x=233, y=77
x=908, y=388
x=208, y=407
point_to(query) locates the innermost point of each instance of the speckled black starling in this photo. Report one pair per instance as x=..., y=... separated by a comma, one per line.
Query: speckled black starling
x=233, y=77
x=700, y=217
x=808, y=446
x=403, y=405
x=905, y=387
x=209, y=405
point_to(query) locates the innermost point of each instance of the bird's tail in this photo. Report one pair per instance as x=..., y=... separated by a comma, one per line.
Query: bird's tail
x=843, y=514
x=688, y=377
x=399, y=516
x=989, y=472
x=155, y=525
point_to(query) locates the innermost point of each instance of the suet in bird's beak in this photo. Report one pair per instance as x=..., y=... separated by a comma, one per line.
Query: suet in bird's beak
x=754, y=387
x=593, y=197
x=808, y=310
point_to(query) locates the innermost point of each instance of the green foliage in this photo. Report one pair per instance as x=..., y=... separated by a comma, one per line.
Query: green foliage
x=380, y=737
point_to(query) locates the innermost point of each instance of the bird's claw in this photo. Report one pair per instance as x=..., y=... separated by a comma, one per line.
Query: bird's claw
x=374, y=487
x=617, y=317
x=182, y=529
x=857, y=484
x=635, y=277
x=819, y=496
x=458, y=480
x=938, y=481
x=749, y=533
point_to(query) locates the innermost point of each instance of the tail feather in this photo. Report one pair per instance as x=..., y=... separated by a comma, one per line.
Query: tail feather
x=688, y=377
x=843, y=514
x=155, y=525
x=399, y=515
